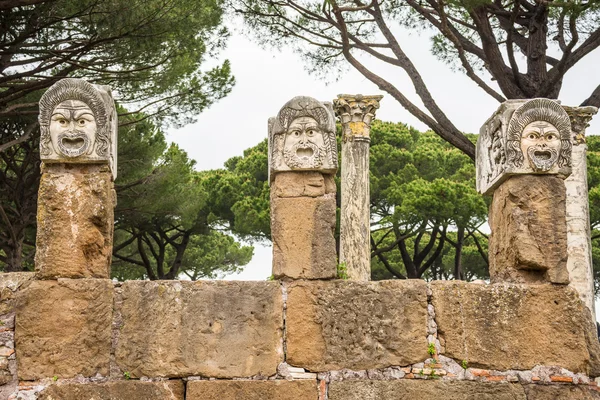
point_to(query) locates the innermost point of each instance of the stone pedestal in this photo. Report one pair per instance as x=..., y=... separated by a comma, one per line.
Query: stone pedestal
x=303, y=160
x=528, y=243
x=579, y=246
x=74, y=221
x=76, y=198
x=356, y=113
x=303, y=225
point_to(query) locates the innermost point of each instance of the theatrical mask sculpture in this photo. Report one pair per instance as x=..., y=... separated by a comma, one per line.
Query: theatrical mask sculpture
x=523, y=137
x=302, y=137
x=78, y=124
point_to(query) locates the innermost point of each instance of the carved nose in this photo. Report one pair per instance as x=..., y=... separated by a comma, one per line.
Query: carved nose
x=303, y=138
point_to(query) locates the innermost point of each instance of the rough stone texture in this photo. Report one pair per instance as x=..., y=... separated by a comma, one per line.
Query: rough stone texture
x=529, y=232
x=63, y=328
x=356, y=325
x=302, y=230
x=74, y=222
x=355, y=211
x=556, y=392
x=252, y=390
x=302, y=184
x=209, y=328
x=10, y=284
x=424, y=390
x=123, y=390
x=506, y=326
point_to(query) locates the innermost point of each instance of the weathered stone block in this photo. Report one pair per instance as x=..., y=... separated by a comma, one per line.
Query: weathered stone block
x=74, y=222
x=122, y=390
x=302, y=184
x=211, y=328
x=63, y=328
x=554, y=392
x=529, y=230
x=10, y=283
x=507, y=326
x=356, y=325
x=424, y=390
x=252, y=390
x=302, y=230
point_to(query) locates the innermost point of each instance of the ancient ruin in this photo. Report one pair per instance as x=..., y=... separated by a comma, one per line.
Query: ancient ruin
x=302, y=163
x=78, y=124
x=69, y=333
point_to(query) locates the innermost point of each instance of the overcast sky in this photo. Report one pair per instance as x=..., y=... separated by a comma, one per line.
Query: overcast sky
x=266, y=79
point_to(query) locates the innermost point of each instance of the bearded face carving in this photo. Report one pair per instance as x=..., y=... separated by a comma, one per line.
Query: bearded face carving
x=304, y=147
x=78, y=124
x=302, y=137
x=531, y=137
x=73, y=129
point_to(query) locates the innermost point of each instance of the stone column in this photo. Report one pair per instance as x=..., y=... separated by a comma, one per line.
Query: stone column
x=356, y=114
x=78, y=123
x=523, y=157
x=303, y=161
x=579, y=243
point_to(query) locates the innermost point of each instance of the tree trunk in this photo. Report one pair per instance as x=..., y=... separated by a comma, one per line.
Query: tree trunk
x=460, y=237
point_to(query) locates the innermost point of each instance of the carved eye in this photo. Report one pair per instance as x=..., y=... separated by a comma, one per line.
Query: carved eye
x=310, y=132
x=296, y=133
x=550, y=136
x=81, y=122
x=532, y=136
x=62, y=121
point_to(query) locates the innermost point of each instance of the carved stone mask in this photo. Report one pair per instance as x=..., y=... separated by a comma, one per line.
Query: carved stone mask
x=73, y=129
x=541, y=145
x=304, y=146
x=302, y=137
x=539, y=131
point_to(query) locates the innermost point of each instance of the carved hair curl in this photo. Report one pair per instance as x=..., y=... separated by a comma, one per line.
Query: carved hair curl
x=74, y=89
x=538, y=110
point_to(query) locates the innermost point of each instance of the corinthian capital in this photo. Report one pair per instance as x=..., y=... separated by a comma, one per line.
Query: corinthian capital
x=356, y=112
x=580, y=118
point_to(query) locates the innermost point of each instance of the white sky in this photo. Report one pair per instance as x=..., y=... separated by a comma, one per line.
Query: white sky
x=266, y=79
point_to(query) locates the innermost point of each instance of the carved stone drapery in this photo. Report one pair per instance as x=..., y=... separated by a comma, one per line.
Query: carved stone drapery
x=356, y=112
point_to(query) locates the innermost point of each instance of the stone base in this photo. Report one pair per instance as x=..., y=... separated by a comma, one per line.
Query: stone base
x=218, y=329
x=63, y=328
x=252, y=390
x=437, y=389
x=74, y=222
x=515, y=327
x=528, y=243
x=125, y=390
x=303, y=225
x=356, y=325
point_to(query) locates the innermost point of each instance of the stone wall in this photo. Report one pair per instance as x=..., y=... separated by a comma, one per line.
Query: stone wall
x=97, y=339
